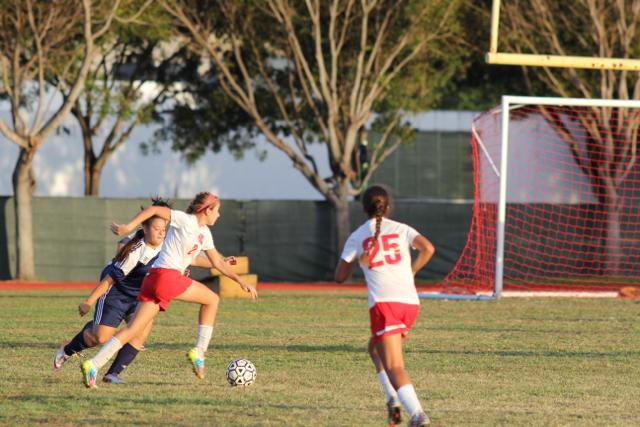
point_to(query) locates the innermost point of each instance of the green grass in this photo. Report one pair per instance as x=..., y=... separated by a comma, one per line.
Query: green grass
x=547, y=362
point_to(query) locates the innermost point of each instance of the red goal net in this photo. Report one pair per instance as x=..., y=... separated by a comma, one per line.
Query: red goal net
x=572, y=212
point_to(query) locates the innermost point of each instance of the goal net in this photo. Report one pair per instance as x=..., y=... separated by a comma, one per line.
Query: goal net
x=556, y=197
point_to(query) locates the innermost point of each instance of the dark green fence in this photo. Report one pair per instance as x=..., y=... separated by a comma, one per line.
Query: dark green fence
x=285, y=240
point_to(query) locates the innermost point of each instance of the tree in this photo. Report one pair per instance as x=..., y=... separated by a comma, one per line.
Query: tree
x=479, y=86
x=601, y=28
x=36, y=39
x=319, y=72
x=137, y=54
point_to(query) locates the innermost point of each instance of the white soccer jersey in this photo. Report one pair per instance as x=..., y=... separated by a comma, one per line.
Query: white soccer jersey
x=388, y=275
x=185, y=240
x=141, y=253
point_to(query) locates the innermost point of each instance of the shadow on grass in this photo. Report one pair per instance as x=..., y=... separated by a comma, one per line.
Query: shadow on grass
x=488, y=330
x=347, y=348
x=37, y=294
x=551, y=353
x=133, y=401
x=295, y=348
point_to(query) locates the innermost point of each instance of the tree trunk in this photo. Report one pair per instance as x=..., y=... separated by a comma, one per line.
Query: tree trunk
x=92, y=174
x=341, y=207
x=23, y=187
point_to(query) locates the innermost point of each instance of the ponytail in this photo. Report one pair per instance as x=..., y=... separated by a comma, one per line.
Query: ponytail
x=375, y=202
x=124, y=252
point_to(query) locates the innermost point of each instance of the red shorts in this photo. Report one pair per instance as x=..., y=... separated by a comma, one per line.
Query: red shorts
x=161, y=285
x=389, y=318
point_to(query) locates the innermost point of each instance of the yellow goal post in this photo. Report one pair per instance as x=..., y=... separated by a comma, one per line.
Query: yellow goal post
x=527, y=59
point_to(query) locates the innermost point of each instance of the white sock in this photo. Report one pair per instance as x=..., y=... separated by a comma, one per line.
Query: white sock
x=409, y=399
x=204, y=336
x=106, y=352
x=389, y=391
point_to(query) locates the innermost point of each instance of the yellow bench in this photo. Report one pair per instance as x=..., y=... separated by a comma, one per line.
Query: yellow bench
x=227, y=288
x=241, y=266
x=230, y=289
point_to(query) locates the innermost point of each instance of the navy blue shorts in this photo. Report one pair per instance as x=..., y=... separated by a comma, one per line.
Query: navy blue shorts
x=113, y=307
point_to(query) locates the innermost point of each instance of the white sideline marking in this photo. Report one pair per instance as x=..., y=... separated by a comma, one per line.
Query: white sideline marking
x=560, y=294
x=555, y=294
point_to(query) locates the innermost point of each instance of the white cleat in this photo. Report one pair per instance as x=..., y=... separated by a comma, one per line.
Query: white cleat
x=60, y=357
x=419, y=420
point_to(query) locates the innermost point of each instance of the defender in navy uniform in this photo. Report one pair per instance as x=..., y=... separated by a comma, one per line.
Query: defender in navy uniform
x=117, y=297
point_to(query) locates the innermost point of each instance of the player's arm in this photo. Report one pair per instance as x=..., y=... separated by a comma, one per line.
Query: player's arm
x=219, y=263
x=203, y=261
x=343, y=271
x=425, y=252
x=97, y=292
x=160, y=211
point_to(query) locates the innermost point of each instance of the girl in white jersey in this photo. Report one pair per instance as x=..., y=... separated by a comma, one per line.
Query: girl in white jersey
x=188, y=235
x=381, y=246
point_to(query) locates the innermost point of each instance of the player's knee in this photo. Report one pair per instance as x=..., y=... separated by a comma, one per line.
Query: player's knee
x=90, y=339
x=213, y=300
x=102, y=338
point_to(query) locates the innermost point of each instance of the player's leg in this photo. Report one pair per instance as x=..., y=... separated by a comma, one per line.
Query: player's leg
x=393, y=405
x=110, y=312
x=126, y=355
x=102, y=333
x=70, y=348
x=390, y=350
x=145, y=313
x=107, y=313
x=208, y=300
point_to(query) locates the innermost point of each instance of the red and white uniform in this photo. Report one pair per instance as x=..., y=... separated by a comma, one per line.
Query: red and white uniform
x=392, y=296
x=184, y=241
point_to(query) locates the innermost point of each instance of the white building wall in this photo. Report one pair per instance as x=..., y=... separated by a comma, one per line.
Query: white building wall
x=58, y=166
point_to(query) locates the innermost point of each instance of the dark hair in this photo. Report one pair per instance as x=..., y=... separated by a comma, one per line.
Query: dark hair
x=198, y=202
x=123, y=253
x=159, y=201
x=375, y=202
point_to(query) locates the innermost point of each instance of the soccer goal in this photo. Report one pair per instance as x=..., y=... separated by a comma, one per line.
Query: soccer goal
x=556, y=199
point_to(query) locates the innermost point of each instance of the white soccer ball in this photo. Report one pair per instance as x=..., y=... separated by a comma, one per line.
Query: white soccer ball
x=241, y=372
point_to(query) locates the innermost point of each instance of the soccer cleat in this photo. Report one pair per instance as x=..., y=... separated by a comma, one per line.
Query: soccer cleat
x=89, y=374
x=113, y=379
x=197, y=362
x=60, y=357
x=393, y=411
x=419, y=420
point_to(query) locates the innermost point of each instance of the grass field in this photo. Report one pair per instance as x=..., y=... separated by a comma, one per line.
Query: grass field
x=547, y=362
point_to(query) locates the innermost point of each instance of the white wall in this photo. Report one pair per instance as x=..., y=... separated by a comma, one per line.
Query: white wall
x=58, y=166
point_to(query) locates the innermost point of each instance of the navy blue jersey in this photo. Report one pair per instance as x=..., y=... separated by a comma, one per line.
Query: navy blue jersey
x=129, y=273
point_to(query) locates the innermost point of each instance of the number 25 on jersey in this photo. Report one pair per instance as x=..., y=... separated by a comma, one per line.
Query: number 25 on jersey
x=386, y=253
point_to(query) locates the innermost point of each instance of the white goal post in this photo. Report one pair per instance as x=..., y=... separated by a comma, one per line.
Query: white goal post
x=495, y=164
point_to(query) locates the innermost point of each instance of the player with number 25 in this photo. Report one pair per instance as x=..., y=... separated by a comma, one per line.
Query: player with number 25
x=381, y=246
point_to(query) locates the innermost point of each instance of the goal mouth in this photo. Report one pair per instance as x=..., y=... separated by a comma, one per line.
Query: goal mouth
x=556, y=198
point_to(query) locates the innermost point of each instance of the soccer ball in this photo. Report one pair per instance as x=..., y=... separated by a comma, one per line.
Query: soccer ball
x=241, y=372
